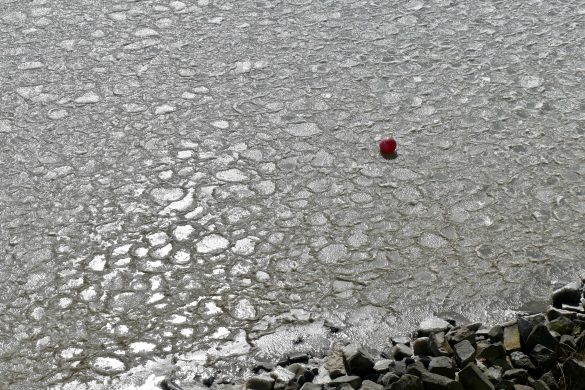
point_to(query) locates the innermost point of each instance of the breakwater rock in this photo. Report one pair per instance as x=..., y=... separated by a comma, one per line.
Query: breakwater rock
x=540, y=351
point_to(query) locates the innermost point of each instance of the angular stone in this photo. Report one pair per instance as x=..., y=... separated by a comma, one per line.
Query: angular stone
x=334, y=363
x=388, y=378
x=520, y=360
x=260, y=382
x=282, y=375
x=298, y=357
x=407, y=382
x=549, y=379
x=494, y=374
x=401, y=340
x=512, y=338
x=442, y=365
x=540, y=385
x=420, y=346
x=554, y=313
x=517, y=375
x=432, y=325
x=522, y=387
x=302, y=373
x=496, y=333
x=473, y=378
x=569, y=294
x=439, y=346
x=311, y=386
x=353, y=380
x=527, y=323
x=492, y=352
x=401, y=351
x=438, y=382
x=383, y=366
x=562, y=325
x=542, y=357
x=369, y=385
x=464, y=352
x=460, y=333
x=358, y=361
x=541, y=335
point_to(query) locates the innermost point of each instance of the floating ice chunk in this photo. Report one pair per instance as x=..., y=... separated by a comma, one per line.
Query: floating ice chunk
x=141, y=347
x=181, y=205
x=221, y=124
x=121, y=250
x=212, y=243
x=232, y=175
x=431, y=240
x=530, y=81
x=332, y=253
x=143, y=32
x=164, y=109
x=212, y=308
x=244, y=310
x=88, y=98
x=182, y=257
x=98, y=263
x=108, y=365
x=165, y=195
x=303, y=129
x=262, y=276
x=245, y=246
x=158, y=238
x=182, y=232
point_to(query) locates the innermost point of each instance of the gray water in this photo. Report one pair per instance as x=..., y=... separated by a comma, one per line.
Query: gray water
x=198, y=182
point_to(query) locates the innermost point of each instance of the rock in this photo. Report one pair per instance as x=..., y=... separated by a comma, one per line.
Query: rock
x=512, y=338
x=407, y=382
x=401, y=351
x=388, y=378
x=543, y=357
x=352, y=380
x=523, y=387
x=520, y=360
x=472, y=378
x=553, y=313
x=492, y=352
x=302, y=373
x=369, y=385
x=312, y=386
x=334, y=363
x=562, y=325
x=567, y=343
x=569, y=294
x=494, y=374
x=263, y=366
x=438, y=382
x=358, y=361
x=505, y=385
x=460, y=333
x=260, y=382
x=540, y=385
x=573, y=374
x=168, y=384
x=464, y=352
x=442, y=365
x=527, y=323
x=420, y=346
x=298, y=358
x=432, y=325
x=439, y=346
x=516, y=375
x=496, y=333
x=549, y=379
x=383, y=366
x=415, y=367
x=541, y=335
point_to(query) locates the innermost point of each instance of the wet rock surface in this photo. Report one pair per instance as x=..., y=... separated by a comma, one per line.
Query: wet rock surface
x=192, y=186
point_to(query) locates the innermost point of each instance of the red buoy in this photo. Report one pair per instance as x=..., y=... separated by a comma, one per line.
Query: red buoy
x=388, y=146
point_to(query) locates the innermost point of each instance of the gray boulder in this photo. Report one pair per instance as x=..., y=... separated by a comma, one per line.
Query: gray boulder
x=464, y=352
x=358, y=361
x=407, y=382
x=473, y=378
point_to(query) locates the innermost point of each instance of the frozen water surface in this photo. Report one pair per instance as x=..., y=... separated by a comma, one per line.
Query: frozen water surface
x=186, y=186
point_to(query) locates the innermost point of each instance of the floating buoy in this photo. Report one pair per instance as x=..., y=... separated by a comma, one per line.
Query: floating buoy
x=388, y=146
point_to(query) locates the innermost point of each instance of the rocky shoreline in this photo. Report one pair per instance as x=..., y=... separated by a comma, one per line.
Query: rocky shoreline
x=541, y=351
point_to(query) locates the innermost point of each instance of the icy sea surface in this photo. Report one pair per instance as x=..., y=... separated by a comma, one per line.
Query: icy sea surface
x=186, y=186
